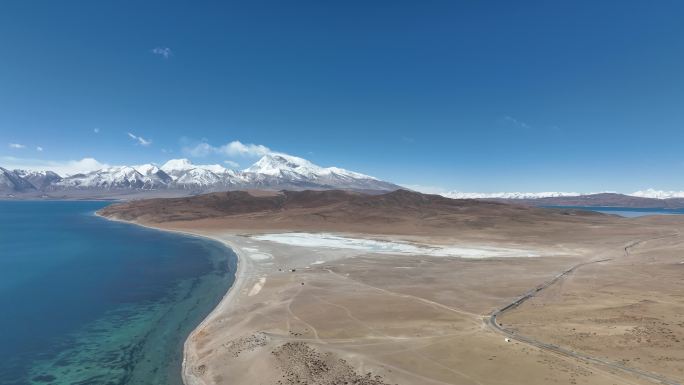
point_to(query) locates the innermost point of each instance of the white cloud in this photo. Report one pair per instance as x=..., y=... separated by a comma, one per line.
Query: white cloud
x=201, y=149
x=231, y=163
x=140, y=140
x=163, y=51
x=237, y=148
x=515, y=122
x=234, y=148
x=39, y=149
x=96, y=130
x=64, y=168
x=17, y=146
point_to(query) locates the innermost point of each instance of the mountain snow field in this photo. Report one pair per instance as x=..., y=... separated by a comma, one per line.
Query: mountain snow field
x=648, y=193
x=324, y=240
x=272, y=171
x=658, y=194
x=507, y=195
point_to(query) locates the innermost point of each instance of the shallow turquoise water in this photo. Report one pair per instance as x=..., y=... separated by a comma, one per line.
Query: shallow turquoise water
x=85, y=300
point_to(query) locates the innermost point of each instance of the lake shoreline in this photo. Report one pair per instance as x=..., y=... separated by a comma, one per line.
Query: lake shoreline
x=93, y=300
x=625, y=212
x=189, y=352
x=310, y=310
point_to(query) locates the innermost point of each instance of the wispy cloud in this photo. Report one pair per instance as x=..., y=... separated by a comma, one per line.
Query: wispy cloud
x=515, y=122
x=64, y=168
x=234, y=148
x=96, y=130
x=163, y=51
x=200, y=149
x=140, y=140
x=238, y=148
x=17, y=146
x=231, y=163
x=39, y=149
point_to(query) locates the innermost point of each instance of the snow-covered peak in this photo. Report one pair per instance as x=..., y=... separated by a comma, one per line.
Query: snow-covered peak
x=35, y=173
x=119, y=171
x=177, y=165
x=283, y=165
x=118, y=177
x=215, y=168
x=275, y=164
x=272, y=171
x=658, y=194
x=648, y=193
x=11, y=180
x=147, y=169
x=347, y=173
x=198, y=177
x=174, y=166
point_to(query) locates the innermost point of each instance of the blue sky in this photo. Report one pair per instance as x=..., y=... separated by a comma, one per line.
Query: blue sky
x=460, y=95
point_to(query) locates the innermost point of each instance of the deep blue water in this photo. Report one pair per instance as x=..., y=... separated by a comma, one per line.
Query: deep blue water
x=628, y=212
x=84, y=300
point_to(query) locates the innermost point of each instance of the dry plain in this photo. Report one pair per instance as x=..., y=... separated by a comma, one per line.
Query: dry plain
x=324, y=315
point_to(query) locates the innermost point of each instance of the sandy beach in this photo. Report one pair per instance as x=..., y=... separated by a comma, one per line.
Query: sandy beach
x=359, y=326
x=189, y=351
x=399, y=306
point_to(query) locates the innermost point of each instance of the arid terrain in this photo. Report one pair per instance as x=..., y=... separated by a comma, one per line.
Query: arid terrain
x=405, y=293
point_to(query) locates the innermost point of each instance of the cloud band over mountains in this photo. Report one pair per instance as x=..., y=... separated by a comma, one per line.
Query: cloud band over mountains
x=234, y=148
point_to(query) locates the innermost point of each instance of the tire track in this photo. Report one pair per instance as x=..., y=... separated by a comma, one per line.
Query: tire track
x=493, y=324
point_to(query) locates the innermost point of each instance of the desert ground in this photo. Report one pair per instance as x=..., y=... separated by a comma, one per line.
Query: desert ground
x=628, y=310
x=339, y=315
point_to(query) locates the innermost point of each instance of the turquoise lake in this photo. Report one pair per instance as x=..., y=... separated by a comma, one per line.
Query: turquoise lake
x=628, y=212
x=84, y=300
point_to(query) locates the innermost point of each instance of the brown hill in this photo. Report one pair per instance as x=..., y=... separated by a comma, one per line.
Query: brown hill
x=399, y=212
x=353, y=204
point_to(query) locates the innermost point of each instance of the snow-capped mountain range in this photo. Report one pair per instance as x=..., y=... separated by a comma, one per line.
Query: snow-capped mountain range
x=649, y=193
x=272, y=171
x=506, y=195
x=658, y=194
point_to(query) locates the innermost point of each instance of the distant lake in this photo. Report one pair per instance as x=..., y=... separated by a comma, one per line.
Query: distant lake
x=85, y=300
x=628, y=212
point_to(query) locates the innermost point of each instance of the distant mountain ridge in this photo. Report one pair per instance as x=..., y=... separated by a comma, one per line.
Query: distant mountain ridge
x=506, y=195
x=598, y=200
x=274, y=171
x=178, y=177
x=649, y=198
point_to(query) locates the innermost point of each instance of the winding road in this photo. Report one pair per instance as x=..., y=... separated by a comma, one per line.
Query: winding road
x=492, y=323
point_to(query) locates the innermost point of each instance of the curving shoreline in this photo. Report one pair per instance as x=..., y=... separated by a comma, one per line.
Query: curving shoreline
x=189, y=352
x=101, y=300
x=358, y=314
